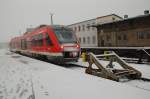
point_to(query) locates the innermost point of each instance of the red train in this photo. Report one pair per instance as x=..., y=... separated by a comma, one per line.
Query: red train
x=57, y=43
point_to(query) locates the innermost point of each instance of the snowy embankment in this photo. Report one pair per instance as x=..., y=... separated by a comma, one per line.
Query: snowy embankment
x=25, y=78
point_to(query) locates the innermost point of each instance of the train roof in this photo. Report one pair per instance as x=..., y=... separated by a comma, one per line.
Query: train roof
x=40, y=27
x=51, y=26
x=59, y=27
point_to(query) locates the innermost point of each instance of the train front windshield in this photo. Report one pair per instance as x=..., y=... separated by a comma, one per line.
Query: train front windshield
x=65, y=35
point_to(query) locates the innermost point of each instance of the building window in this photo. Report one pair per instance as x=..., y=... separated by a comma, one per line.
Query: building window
x=113, y=18
x=94, y=39
x=80, y=39
x=88, y=40
x=119, y=37
x=88, y=27
x=124, y=37
x=79, y=28
x=140, y=35
x=108, y=37
x=148, y=35
x=93, y=28
x=83, y=27
x=75, y=29
x=84, y=40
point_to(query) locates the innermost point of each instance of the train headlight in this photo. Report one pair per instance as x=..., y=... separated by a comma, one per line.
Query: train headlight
x=77, y=46
x=62, y=47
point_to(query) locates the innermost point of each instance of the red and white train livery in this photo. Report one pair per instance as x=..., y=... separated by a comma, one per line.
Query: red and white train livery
x=56, y=42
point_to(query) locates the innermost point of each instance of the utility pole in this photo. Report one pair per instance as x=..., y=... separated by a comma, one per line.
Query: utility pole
x=51, y=14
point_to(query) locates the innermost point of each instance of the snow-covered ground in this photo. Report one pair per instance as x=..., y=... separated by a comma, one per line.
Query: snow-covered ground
x=26, y=78
x=143, y=68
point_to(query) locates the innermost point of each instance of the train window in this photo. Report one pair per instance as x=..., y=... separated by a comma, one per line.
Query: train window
x=65, y=36
x=48, y=40
x=34, y=40
x=40, y=39
x=37, y=40
x=23, y=44
x=29, y=44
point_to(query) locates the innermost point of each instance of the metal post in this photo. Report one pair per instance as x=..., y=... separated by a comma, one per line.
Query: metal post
x=51, y=14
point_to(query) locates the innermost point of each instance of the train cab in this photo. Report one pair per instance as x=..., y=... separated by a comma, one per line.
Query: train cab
x=66, y=44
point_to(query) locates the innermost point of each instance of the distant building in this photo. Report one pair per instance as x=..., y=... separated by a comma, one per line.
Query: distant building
x=86, y=34
x=29, y=29
x=127, y=32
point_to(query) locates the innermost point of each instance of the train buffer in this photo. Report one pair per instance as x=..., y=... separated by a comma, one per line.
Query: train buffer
x=116, y=69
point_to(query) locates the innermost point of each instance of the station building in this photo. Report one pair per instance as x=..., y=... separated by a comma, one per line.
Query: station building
x=128, y=32
x=87, y=35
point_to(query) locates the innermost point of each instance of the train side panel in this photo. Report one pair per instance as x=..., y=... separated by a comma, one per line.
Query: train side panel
x=44, y=42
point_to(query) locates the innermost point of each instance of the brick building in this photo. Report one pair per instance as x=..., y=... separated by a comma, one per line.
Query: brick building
x=127, y=32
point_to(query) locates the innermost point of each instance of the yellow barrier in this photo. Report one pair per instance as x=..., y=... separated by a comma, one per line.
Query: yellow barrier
x=83, y=56
x=105, y=55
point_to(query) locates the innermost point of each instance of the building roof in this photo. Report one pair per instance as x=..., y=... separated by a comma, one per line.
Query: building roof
x=110, y=15
x=95, y=19
x=124, y=20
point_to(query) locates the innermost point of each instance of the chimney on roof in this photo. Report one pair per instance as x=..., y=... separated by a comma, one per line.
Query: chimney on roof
x=146, y=12
x=125, y=16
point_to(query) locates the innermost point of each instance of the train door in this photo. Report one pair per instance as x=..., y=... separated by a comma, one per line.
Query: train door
x=23, y=44
x=48, y=43
x=37, y=42
x=40, y=42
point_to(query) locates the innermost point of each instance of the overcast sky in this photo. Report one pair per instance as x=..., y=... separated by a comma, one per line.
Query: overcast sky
x=17, y=15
